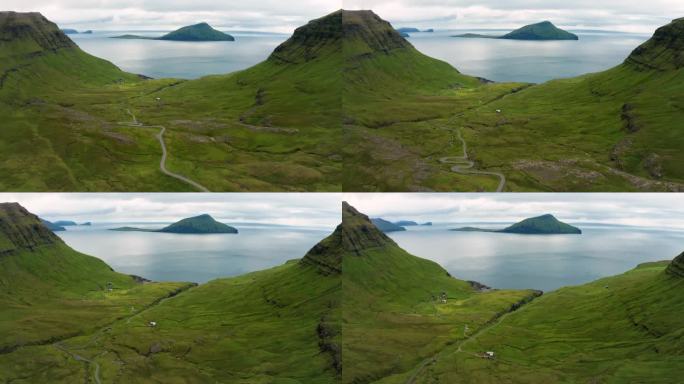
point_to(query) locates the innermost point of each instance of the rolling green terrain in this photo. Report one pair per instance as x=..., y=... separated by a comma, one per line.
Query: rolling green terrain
x=438, y=130
x=539, y=31
x=541, y=225
x=77, y=123
x=49, y=292
x=197, y=32
x=399, y=310
x=198, y=225
x=622, y=329
x=68, y=318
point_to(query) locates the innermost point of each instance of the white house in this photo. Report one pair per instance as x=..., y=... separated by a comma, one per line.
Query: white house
x=153, y=323
x=489, y=354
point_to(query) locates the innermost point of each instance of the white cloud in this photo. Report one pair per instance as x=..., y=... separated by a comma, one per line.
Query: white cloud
x=311, y=209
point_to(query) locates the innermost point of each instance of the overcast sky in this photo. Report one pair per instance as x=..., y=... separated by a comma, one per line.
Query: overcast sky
x=310, y=209
x=657, y=210
x=284, y=16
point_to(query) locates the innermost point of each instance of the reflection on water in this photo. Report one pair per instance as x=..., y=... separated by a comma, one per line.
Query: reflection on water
x=542, y=262
x=198, y=258
x=179, y=59
x=528, y=61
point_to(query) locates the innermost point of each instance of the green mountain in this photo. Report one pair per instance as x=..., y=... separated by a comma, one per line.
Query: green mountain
x=540, y=225
x=398, y=310
x=50, y=292
x=386, y=226
x=540, y=31
x=202, y=224
x=622, y=329
x=199, y=224
x=197, y=32
x=281, y=325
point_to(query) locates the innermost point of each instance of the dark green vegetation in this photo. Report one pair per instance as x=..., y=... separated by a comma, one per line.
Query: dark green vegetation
x=611, y=131
x=68, y=124
x=197, y=32
x=202, y=224
x=621, y=329
x=49, y=292
x=541, y=225
x=539, y=31
x=387, y=226
x=399, y=310
x=68, y=318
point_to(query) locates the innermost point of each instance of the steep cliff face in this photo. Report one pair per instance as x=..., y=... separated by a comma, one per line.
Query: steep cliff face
x=317, y=38
x=20, y=229
x=676, y=267
x=664, y=51
x=34, y=31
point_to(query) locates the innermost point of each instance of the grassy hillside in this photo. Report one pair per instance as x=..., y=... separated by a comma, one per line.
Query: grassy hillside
x=280, y=325
x=621, y=329
x=611, y=131
x=399, y=309
x=49, y=291
x=86, y=125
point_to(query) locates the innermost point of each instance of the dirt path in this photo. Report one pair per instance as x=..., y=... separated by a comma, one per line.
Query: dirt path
x=463, y=165
x=162, y=162
x=88, y=362
x=433, y=359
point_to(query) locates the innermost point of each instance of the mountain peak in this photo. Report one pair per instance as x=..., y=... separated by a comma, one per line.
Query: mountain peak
x=318, y=37
x=20, y=229
x=33, y=31
x=355, y=234
x=365, y=32
x=664, y=51
x=676, y=267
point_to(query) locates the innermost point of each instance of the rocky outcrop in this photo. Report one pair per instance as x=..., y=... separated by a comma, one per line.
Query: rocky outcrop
x=664, y=51
x=22, y=230
x=676, y=267
x=34, y=29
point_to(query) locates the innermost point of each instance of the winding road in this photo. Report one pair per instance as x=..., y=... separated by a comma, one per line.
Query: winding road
x=78, y=357
x=162, y=162
x=463, y=165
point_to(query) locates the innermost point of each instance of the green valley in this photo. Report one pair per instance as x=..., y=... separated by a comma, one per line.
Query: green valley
x=430, y=128
x=85, y=125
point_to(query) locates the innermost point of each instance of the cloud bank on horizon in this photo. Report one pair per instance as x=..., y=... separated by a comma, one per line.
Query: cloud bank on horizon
x=285, y=16
x=661, y=210
x=307, y=210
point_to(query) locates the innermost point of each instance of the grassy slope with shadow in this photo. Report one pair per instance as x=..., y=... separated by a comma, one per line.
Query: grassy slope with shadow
x=622, y=329
x=392, y=313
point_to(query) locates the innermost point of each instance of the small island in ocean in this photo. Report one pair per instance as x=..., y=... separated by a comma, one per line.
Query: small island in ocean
x=387, y=226
x=202, y=224
x=539, y=31
x=541, y=225
x=197, y=32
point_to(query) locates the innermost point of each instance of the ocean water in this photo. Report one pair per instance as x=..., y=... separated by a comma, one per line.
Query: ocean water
x=528, y=61
x=545, y=262
x=498, y=60
x=196, y=258
x=180, y=59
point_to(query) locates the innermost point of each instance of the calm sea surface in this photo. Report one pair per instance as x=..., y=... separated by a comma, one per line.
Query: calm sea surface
x=498, y=60
x=545, y=262
x=197, y=258
x=179, y=59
